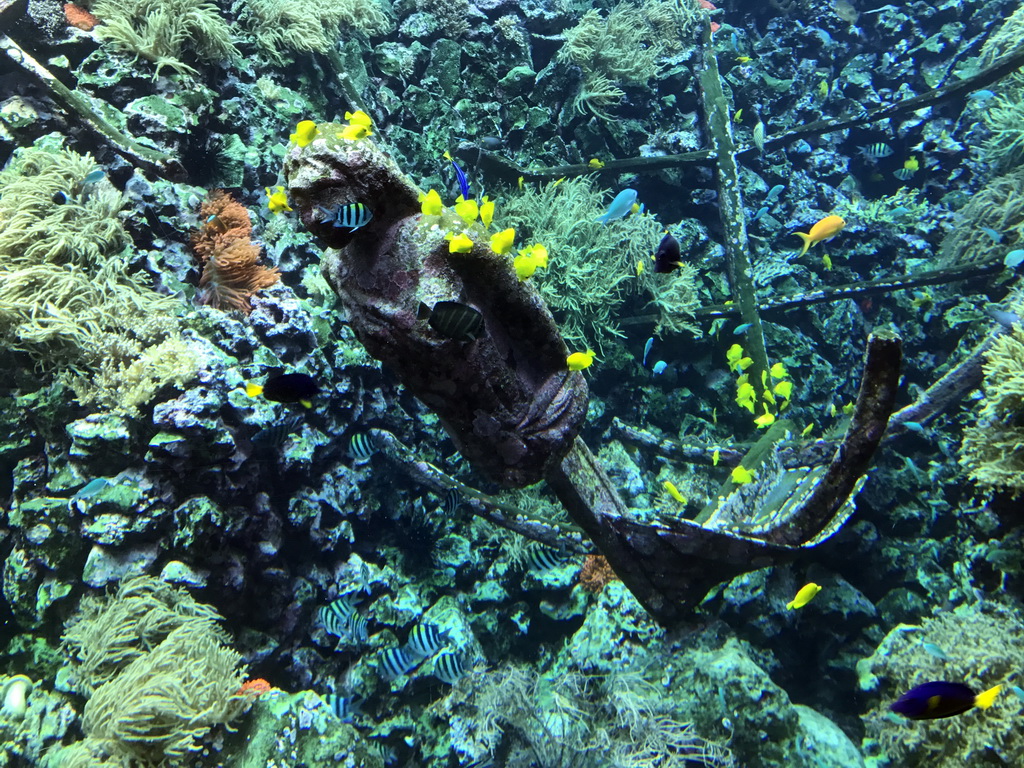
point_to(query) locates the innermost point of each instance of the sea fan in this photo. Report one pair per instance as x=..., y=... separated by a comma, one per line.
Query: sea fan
x=230, y=259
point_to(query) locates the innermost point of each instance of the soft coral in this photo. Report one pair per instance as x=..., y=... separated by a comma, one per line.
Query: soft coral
x=223, y=243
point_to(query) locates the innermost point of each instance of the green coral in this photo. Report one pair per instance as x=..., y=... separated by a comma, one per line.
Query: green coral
x=310, y=26
x=992, y=449
x=164, y=31
x=1004, y=116
x=66, y=297
x=999, y=206
x=157, y=671
x=593, y=267
x=984, y=646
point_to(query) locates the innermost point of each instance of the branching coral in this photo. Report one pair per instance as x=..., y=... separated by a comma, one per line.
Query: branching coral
x=1004, y=117
x=998, y=206
x=231, y=272
x=452, y=15
x=984, y=647
x=993, y=448
x=311, y=26
x=571, y=720
x=593, y=267
x=162, y=30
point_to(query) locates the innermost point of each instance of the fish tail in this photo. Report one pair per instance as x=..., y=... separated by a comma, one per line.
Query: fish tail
x=986, y=699
x=807, y=242
x=252, y=390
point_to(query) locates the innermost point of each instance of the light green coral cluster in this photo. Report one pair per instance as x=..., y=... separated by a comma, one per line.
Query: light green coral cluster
x=66, y=298
x=593, y=267
x=311, y=26
x=165, y=31
x=904, y=209
x=157, y=672
x=993, y=448
x=998, y=206
x=983, y=646
x=1004, y=116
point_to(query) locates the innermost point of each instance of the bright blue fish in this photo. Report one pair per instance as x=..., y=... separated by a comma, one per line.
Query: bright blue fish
x=621, y=205
x=760, y=212
x=933, y=650
x=463, y=181
x=740, y=329
x=900, y=210
x=997, y=237
x=1014, y=258
x=647, y=350
x=93, y=176
x=774, y=192
x=659, y=367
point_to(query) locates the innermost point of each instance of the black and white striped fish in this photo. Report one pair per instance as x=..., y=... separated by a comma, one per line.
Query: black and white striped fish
x=384, y=751
x=449, y=667
x=351, y=216
x=451, y=502
x=395, y=662
x=425, y=640
x=453, y=319
x=344, y=707
x=541, y=559
x=269, y=439
x=362, y=446
x=876, y=151
x=341, y=619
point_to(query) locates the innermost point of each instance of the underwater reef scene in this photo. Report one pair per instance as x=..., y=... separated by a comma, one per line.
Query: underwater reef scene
x=547, y=384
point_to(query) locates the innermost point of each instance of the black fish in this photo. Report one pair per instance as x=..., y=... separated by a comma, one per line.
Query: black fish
x=288, y=388
x=667, y=257
x=270, y=439
x=453, y=319
x=937, y=699
x=350, y=217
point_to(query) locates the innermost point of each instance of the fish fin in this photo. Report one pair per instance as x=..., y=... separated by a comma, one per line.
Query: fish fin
x=807, y=242
x=986, y=699
x=791, y=605
x=306, y=403
x=423, y=312
x=252, y=390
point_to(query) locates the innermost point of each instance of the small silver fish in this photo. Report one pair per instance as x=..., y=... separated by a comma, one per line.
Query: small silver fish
x=647, y=350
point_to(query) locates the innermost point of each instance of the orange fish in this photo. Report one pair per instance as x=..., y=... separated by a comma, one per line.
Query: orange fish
x=706, y=5
x=825, y=229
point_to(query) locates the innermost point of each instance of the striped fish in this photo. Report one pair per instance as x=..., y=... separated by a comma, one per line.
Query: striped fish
x=269, y=439
x=386, y=753
x=341, y=619
x=350, y=217
x=453, y=319
x=758, y=136
x=451, y=502
x=481, y=762
x=425, y=640
x=362, y=446
x=395, y=662
x=449, y=667
x=876, y=151
x=541, y=559
x=904, y=174
x=344, y=707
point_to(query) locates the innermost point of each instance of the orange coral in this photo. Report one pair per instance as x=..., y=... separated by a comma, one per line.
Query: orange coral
x=231, y=272
x=257, y=686
x=79, y=17
x=596, y=573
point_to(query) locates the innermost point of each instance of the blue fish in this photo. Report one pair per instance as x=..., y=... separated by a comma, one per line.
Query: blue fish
x=932, y=649
x=760, y=212
x=740, y=329
x=913, y=426
x=350, y=217
x=1017, y=691
x=91, y=488
x=937, y=699
x=621, y=205
x=997, y=237
x=1004, y=318
x=774, y=192
x=982, y=95
x=460, y=175
x=93, y=176
x=900, y=210
x=659, y=367
x=1014, y=258
x=647, y=350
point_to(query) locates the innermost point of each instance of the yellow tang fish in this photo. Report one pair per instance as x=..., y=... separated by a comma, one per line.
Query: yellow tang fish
x=577, y=361
x=741, y=475
x=277, y=201
x=804, y=596
x=826, y=261
x=596, y=164
x=716, y=457
x=744, y=59
x=305, y=132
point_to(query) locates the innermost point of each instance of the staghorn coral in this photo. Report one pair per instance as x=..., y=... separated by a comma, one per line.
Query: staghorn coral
x=991, y=450
x=593, y=267
x=999, y=205
x=231, y=273
x=311, y=26
x=985, y=645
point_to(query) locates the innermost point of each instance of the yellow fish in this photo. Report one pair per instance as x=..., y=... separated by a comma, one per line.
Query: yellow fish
x=577, y=361
x=486, y=211
x=596, y=164
x=520, y=182
x=305, y=132
x=501, y=242
x=467, y=210
x=431, y=204
x=807, y=430
x=826, y=261
x=460, y=243
x=848, y=408
x=784, y=389
x=639, y=267
x=741, y=475
x=355, y=132
x=804, y=596
x=669, y=486
x=277, y=201
x=765, y=420
x=529, y=260
x=359, y=118
x=913, y=165
x=744, y=59
x=716, y=457
x=779, y=371
x=738, y=116
x=823, y=89
x=825, y=229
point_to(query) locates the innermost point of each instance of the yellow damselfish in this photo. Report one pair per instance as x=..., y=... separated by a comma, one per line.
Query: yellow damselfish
x=305, y=132
x=577, y=361
x=670, y=487
x=277, y=201
x=804, y=596
x=501, y=242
